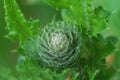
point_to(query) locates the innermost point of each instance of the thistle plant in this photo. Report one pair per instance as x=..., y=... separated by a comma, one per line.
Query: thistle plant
x=72, y=48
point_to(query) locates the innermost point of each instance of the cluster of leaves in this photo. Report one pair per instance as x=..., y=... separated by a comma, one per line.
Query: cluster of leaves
x=90, y=20
x=83, y=14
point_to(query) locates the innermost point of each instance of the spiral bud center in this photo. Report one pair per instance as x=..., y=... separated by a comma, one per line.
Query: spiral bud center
x=58, y=41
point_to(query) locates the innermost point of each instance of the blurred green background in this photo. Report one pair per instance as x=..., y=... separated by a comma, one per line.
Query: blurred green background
x=37, y=9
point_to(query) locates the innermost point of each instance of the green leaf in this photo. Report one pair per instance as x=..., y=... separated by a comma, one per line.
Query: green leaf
x=114, y=8
x=17, y=26
x=98, y=26
x=101, y=13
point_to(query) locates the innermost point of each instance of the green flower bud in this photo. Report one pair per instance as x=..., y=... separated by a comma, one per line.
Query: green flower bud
x=57, y=45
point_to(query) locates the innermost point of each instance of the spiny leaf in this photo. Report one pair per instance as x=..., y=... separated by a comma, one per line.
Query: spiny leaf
x=17, y=26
